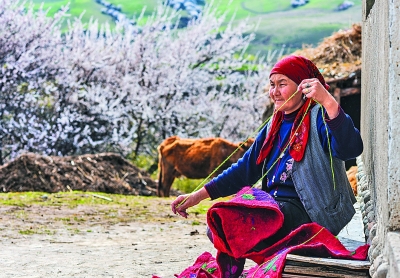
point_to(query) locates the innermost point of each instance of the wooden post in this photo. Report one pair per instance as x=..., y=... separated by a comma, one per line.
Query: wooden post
x=336, y=94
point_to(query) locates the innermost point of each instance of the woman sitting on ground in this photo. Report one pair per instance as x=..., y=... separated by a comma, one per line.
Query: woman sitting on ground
x=299, y=154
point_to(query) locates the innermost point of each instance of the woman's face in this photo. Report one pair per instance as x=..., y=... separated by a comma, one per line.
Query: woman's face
x=281, y=89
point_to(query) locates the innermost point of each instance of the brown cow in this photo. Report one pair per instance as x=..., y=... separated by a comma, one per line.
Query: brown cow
x=351, y=175
x=194, y=159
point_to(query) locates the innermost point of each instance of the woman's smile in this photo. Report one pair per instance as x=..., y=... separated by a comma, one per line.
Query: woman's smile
x=281, y=92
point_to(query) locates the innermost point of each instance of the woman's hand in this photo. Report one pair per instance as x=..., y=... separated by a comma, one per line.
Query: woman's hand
x=312, y=88
x=183, y=202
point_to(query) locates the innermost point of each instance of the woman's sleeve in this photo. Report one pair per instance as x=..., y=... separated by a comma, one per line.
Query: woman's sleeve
x=240, y=174
x=344, y=138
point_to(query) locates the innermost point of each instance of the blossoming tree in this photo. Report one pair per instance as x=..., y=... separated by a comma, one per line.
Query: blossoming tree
x=92, y=88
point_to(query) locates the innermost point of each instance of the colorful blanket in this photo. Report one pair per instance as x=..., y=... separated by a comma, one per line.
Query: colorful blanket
x=239, y=224
x=252, y=216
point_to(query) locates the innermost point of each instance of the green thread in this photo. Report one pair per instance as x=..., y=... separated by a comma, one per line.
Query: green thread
x=240, y=145
x=222, y=163
x=290, y=140
x=329, y=146
x=248, y=197
x=286, y=147
x=282, y=153
x=271, y=265
x=308, y=240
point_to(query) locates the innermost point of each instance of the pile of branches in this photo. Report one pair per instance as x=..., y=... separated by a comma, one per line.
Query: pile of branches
x=105, y=172
x=337, y=56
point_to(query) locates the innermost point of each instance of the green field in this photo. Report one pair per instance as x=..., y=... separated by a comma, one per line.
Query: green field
x=279, y=22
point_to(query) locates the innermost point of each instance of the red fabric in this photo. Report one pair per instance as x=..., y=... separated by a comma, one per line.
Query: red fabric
x=298, y=135
x=298, y=68
x=240, y=223
x=204, y=267
x=308, y=240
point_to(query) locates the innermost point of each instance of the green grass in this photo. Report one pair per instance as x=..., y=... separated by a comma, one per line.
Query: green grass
x=36, y=230
x=72, y=199
x=186, y=185
x=135, y=7
x=279, y=22
x=148, y=164
x=27, y=232
x=88, y=9
x=302, y=26
x=138, y=205
x=79, y=211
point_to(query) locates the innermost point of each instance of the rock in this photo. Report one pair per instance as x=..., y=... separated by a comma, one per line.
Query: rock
x=382, y=270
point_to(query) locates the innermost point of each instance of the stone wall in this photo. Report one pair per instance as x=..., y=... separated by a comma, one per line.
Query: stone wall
x=380, y=129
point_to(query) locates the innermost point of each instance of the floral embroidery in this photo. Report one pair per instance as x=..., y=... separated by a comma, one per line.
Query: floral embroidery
x=288, y=172
x=210, y=269
x=231, y=270
x=298, y=140
x=284, y=176
x=271, y=265
x=297, y=147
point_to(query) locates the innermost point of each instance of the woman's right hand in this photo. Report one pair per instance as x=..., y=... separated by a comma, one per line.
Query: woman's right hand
x=183, y=202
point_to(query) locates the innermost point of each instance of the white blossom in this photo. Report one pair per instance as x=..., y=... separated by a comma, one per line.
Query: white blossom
x=92, y=89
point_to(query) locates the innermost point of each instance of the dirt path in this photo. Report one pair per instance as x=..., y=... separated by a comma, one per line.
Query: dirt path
x=42, y=241
x=132, y=250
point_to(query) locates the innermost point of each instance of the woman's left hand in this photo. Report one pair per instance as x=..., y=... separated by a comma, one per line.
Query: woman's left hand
x=312, y=88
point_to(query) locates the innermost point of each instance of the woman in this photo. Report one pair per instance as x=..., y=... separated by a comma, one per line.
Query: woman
x=299, y=154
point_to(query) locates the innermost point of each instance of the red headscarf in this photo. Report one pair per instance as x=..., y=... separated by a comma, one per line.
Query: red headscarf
x=297, y=68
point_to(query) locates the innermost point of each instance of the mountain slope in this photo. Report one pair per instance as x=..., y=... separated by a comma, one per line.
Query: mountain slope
x=280, y=23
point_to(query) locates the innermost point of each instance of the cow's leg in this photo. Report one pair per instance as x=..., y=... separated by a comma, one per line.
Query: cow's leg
x=166, y=177
x=160, y=191
x=167, y=183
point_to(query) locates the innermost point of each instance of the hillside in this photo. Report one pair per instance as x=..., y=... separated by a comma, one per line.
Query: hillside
x=280, y=23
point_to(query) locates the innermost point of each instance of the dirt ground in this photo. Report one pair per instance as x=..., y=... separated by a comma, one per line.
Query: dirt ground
x=135, y=238
x=45, y=241
x=93, y=241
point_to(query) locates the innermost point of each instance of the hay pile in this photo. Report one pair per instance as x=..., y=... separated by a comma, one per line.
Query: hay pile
x=338, y=55
x=106, y=172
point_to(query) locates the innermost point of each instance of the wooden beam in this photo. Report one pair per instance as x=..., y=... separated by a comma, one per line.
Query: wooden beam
x=350, y=264
x=301, y=266
x=287, y=275
x=350, y=91
x=336, y=80
x=336, y=94
x=324, y=271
